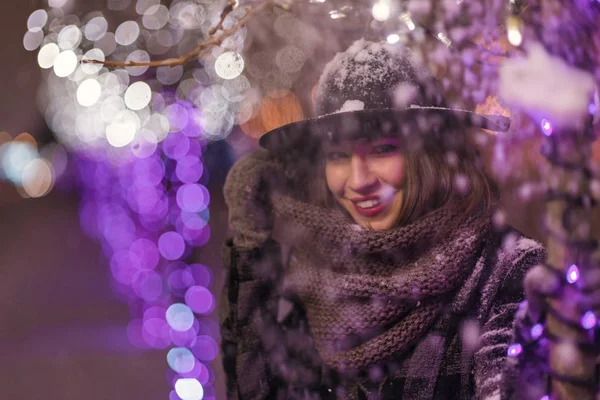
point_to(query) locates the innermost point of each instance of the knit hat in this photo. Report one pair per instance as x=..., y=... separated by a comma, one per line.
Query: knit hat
x=378, y=89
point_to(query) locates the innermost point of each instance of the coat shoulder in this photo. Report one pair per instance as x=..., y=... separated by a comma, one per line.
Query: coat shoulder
x=511, y=254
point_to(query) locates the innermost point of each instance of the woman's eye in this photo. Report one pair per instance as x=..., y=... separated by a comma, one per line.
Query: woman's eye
x=336, y=155
x=384, y=149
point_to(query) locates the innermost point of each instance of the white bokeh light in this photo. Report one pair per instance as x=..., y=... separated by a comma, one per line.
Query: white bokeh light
x=393, y=38
x=14, y=156
x=381, y=10
x=122, y=130
x=188, y=15
x=137, y=56
x=111, y=106
x=189, y=389
x=229, y=65
x=47, y=55
x=96, y=28
x=169, y=75
x=57, y=3
x=93, y=54
x=138, y=95
x=37, y=178
x=32, y=40
x=65, y=63
x=141, y=6
x=127, y=33
x=156, y=17
x=37, y=20
x=69, y=37
x=89, y=92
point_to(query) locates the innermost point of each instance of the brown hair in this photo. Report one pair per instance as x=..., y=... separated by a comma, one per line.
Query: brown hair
x=434, y=180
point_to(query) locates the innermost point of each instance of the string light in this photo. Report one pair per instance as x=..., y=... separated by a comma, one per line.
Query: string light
x=406, y=18
x=536, y=331
x=515, y=37
x=589, y=320
x=444, y=39
x=573, y=274
x=393, y=38
x=546, y=127
x=514, y=350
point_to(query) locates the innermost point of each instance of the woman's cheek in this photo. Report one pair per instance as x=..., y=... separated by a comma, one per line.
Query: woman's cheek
x=335, y=179
x=391, y=171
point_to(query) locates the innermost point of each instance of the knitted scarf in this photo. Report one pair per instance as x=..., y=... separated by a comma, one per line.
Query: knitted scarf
x=370, y=295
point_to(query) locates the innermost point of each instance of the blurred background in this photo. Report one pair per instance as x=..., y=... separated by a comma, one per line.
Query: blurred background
x=68, y=314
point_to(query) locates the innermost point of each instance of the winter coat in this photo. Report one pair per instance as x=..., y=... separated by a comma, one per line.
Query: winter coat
x=462, y=357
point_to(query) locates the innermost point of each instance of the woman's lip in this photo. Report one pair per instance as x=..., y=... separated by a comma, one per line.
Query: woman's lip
x=371, y=211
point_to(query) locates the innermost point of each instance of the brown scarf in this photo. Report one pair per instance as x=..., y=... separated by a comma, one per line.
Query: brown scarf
x=370, y=295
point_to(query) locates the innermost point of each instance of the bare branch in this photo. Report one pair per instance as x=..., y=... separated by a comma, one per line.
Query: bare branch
x=231, y=5
x=199, y=49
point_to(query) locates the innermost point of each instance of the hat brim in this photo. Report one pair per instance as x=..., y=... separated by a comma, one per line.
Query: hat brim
x=370, y=123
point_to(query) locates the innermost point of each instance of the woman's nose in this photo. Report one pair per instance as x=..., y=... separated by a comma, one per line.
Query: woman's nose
x=361, y=177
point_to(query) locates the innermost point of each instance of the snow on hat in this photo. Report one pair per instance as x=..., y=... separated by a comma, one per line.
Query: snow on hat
x=377, y=89
x=378, y=75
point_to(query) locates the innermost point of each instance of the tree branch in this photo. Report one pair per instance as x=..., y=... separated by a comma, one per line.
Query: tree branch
x=199, y=49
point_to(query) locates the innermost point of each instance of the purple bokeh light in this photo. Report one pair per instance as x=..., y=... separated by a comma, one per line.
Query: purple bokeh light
x=202, y=275
x=189, y=169
x=200, y=300
x=171, y=245
x=176, y=145
x=205, y=348
x=145, y=253
x=192, y=197
x=547, y=128
x=514, y=350
x=573, y=274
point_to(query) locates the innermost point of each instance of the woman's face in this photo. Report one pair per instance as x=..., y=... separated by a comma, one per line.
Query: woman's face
x=366, y=179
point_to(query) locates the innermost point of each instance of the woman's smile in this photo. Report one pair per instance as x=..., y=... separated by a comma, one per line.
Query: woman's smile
x=365, y=178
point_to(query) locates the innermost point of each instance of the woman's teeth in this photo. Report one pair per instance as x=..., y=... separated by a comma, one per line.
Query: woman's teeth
x=367, y=203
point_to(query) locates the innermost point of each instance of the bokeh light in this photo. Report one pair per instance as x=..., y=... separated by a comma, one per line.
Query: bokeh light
x=93, y=54
x=37, y=20
x=573, y=274
x=206, y=348
x=89, y=92
x=181, y=359
x=96, y=28
x=127, y=33
x=138, y=95
x=69, y=37
x=37, y=178
x=229, y=65
x=65, y=63
x=180, y=317
x=189, y=389
x=381, y=10
x=171, y=245
x=200, y=300
x=15, y=156
x=48, y=55
x=589, y=320
x=514, y=350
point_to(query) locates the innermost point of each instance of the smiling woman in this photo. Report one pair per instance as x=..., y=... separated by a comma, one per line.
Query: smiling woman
x=366, y=179
x=364, y=262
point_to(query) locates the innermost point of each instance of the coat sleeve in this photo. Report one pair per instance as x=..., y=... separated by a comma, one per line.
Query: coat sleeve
x=494, y=370
x=244, y=294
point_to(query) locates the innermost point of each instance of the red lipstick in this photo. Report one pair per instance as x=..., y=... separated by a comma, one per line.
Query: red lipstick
x=368, y=206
